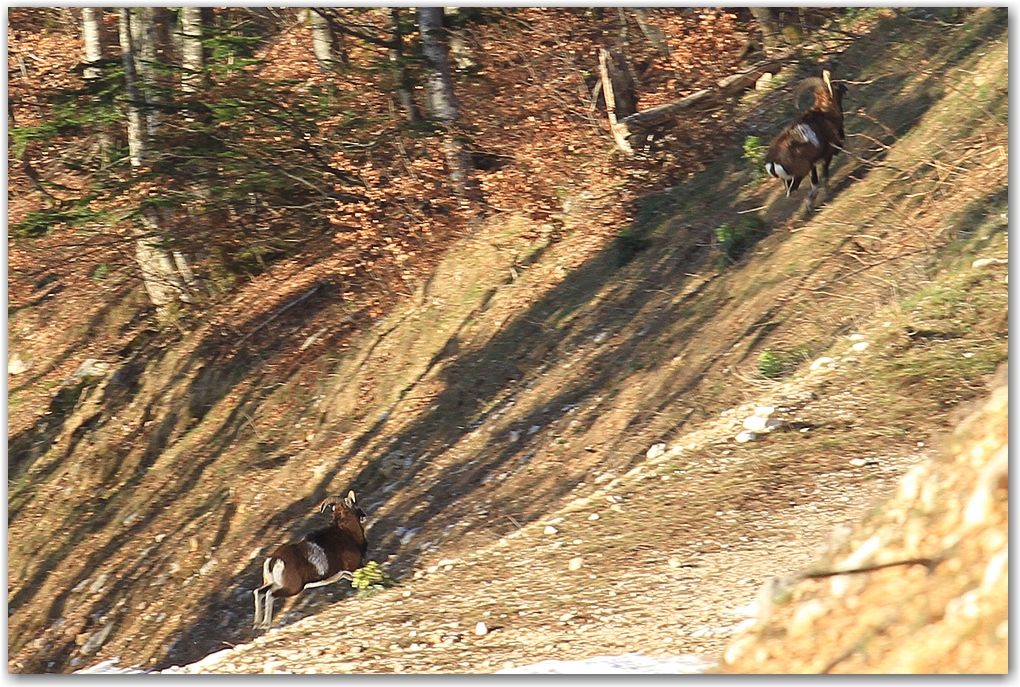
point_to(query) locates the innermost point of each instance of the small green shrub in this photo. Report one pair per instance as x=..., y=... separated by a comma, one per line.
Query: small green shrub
x=775, y=363
x=770, y=365
x=370, y=578
x=734, y=241
x=754, y=152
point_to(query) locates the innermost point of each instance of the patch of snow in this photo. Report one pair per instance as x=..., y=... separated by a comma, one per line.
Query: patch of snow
x=627, y=663
x=108, y=667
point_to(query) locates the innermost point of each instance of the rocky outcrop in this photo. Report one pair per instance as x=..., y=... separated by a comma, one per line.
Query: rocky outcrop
x=920, y=586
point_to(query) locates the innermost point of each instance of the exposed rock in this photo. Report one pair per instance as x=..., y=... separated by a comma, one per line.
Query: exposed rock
x=925, y=589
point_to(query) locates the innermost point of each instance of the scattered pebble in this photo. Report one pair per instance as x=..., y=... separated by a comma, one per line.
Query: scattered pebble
x=755, y=423
x=655, y=451
x=575, y=563
x=744, y=437
x=860, y=346
x=480, y=629
x=593, y=516
x=549, y=529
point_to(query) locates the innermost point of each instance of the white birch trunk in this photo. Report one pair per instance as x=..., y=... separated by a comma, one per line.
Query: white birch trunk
x=396, y=55
x=323, y=41
x=143, y=37
x=441, y=100
x=192, y=59
x=92, y=37
x=92, y=33
x=135, y=127
x=161, y=280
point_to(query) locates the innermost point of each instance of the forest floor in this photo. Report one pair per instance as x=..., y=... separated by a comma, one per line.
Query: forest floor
x=544, y=433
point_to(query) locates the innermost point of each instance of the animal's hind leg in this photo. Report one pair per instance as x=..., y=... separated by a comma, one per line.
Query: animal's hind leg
x=263, y=592
x=268, y=619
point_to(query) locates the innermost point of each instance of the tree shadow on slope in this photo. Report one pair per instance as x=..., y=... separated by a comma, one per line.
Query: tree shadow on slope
x=473, y=381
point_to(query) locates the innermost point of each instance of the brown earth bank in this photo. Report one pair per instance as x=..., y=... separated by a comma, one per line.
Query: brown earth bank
x=554, y=432
x=931, y=591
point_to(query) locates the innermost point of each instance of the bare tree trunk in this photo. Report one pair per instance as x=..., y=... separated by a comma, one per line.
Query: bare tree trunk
x=192, y=58
x=766, y=18
x=135, y=129
x=146, y=43
x=326, y=43
x=92, y=35
x=441, y=99
x=609, y=91
x=652, y=33
x=458, y=46
x=161, y=280
x=92, y=32
x=397, y=57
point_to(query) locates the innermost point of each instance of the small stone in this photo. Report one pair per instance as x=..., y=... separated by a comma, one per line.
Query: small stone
x=825, y=360
x=764, y=411
x=575, y=563
x=858, y=462
x=860, y=346
x=755, y=423
x=857, y=337
x=480, y=629
x=549, y=529
x=744, y=437
x=593, y=516
x=432, y=568
x=15, y=365
x=655, y=451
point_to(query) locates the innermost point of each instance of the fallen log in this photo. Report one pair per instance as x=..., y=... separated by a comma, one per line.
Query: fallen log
x=626, y=127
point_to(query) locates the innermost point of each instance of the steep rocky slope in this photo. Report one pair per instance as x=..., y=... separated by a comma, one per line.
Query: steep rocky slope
x=540, y=375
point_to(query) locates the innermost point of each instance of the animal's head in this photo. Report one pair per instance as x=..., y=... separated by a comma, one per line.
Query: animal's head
x=825, y=91
x=343, y=507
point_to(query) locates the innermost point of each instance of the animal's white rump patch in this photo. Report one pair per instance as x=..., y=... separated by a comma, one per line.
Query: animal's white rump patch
x=806, y=134
x=272, y=571
x=777, y=170
x=317, y=557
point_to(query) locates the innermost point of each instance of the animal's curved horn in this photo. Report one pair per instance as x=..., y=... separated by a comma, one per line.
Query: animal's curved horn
x=827, y=79
x=351, y=500
x=330, y=502
x=804, y=86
